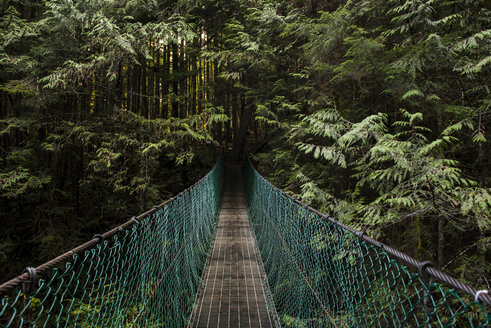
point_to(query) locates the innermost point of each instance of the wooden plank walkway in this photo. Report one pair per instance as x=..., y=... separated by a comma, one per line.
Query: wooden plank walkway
x=234, y=294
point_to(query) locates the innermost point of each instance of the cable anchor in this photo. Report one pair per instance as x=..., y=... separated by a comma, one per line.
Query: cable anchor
x=99, y=237
x=28, y=287
x=360, y=234
x=478, y=293
x=427, y=282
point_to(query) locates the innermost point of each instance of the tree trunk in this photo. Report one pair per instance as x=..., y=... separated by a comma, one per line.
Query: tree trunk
x=158, y=99
x=228, y=111
x=118, y=90
x=441, y=241
x=241, y=137
x=135, y=89
x=193, y=86
x=144, y=95
x=175, y=84
x=234, y=99
x=182, y=83
x=165, y=83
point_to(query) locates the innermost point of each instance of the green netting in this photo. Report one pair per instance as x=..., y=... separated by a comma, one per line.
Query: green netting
x=321, y=275
x=144, y=276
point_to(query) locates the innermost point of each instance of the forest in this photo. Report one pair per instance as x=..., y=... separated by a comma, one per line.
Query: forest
x=375, y=112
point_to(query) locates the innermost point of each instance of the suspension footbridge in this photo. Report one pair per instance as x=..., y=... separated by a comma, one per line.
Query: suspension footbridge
x=235, y=251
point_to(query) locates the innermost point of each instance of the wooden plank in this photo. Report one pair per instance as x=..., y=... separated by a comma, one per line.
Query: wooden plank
x=234, y=294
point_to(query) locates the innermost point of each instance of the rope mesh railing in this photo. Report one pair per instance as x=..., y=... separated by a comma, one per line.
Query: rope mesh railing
x=144, y=273
x=322, y=273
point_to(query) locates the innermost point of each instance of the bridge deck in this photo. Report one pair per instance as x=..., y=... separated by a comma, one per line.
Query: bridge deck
x=234, y=293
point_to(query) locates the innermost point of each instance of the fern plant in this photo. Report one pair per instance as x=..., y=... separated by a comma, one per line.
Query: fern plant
x=414, y=179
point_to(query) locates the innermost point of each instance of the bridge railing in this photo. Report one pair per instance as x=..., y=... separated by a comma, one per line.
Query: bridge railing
x=322, y=273
x=144, y=273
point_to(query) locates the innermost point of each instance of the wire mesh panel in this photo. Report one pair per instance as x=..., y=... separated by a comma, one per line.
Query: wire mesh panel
x=146, y=273
x=321, y=274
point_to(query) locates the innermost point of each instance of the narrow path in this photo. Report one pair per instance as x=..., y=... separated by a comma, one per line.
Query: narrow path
x=234, y=293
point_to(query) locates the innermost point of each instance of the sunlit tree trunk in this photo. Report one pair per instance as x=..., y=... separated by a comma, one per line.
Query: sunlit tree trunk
x=144, y=95
x=182, y=81
x=165, y=82
x=158, y=96
x=175, y=84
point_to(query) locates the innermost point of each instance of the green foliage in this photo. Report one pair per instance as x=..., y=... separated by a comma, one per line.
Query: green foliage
x=101, y=100
x=20, y=181
x=74, y=161
x=105, y=38
x=410, y=176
